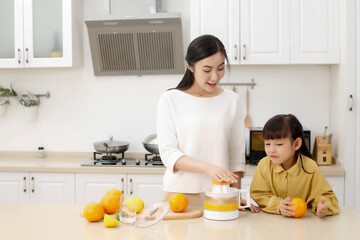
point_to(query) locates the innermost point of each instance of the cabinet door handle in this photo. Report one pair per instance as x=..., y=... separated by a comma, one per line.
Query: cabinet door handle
x=350, y=104
x=25, y=184
x=32, y=184
x=27, y=55
x=131, y=186
x=236, y=52
x=244, y=51
x=19, y=56
x=122, y=185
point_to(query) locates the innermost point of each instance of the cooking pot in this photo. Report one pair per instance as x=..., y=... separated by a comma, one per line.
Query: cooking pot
x=150, y=144
x=111, y=146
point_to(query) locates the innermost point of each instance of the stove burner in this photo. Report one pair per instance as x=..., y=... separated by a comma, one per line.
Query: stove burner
x=108, y=157
x=155, y=160
x=104, y=162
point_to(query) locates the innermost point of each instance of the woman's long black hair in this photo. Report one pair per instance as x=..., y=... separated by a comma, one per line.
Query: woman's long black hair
x=201, y=47
x=287, y=125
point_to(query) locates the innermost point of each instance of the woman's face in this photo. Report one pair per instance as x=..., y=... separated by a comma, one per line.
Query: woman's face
x=208, y=72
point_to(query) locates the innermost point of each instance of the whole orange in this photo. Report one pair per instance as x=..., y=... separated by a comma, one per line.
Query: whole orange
x=178, y=202
x=300, y=207
x=93, y=212
x=117, y=193
x=110, y=203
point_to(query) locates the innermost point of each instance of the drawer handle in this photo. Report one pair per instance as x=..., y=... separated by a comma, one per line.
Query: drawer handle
x=122, y=185
x=32, y=184
x=19, y=56
x=25, y=184
x=236, y=52
x=244, y=52
x=131, y=186
x=27, y=55
x=350, y=104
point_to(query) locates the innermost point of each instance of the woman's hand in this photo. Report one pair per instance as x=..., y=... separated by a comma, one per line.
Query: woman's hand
x=321, y=209
x=285, y=208
x=221, y=174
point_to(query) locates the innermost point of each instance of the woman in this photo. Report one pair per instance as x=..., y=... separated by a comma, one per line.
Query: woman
x=200, y=128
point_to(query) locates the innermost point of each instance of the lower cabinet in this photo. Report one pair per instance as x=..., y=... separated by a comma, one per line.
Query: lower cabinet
x=91, y=187
x=37, y=187
x=336, y=183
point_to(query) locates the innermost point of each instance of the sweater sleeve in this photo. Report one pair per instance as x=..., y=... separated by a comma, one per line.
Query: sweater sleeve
x=237, y=140
x=321, y=189
x=166, y=134
x=260, y=191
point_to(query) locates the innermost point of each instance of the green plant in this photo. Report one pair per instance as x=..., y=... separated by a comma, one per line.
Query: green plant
x=28, y=100
x=7, y=92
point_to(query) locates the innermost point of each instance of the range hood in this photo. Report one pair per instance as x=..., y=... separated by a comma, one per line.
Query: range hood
x=136, y=45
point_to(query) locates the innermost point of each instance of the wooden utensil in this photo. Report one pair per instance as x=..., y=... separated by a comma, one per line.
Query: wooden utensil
x=247, y=117
x=188, y=213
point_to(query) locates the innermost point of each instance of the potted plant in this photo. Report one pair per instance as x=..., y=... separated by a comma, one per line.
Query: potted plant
x=30, y=104
x=5, y=93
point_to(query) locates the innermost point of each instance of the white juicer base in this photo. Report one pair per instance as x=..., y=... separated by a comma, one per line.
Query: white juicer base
x=221, y=215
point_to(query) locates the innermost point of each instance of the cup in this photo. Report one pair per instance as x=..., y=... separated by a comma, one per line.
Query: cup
x=127, y=211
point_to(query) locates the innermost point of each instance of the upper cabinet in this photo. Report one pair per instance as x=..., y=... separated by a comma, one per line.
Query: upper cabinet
x=314, y=31
x=271, y=31
x=219, y=18
x=265, y=32
x=40, y=33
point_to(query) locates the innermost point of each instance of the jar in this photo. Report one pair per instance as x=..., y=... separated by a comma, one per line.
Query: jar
x=41, y=152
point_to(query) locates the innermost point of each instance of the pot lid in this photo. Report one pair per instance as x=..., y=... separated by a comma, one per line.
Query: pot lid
x=111, y=142
x=151, y=139
x=152, y=214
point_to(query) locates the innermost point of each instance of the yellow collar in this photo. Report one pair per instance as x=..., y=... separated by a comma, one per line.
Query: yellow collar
x=293, y=170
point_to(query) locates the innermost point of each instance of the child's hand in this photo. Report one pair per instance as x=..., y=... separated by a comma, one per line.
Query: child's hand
x=321, y=209
x=285, y=208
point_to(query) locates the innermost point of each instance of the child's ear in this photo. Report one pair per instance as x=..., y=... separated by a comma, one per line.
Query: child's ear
x=297, y=143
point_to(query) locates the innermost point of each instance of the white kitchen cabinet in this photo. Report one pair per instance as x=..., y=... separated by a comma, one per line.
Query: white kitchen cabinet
x=265, y=32
x=37, y=187
x=314, y=31
x=91, y=187
x=271, y=31
x=39, y=33
x=220, y=19
x=337, y=185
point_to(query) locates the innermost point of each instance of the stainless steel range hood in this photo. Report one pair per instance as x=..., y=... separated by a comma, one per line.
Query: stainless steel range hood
x=150, y=44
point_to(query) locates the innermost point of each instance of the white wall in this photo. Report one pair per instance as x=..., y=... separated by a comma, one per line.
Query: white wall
x=84, y=109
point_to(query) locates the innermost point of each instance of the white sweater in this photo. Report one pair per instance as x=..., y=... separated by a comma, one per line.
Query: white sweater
x=205, y=129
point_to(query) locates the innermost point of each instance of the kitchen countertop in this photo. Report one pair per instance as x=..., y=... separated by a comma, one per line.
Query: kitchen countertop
x=50, y=221
x=67, y=162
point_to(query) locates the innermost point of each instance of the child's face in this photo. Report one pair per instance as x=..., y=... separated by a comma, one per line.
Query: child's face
x=282, y=151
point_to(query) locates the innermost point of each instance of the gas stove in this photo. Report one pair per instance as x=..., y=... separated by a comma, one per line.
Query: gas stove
x=119, y=160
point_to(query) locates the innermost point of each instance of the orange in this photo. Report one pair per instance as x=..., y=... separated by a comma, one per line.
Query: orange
x=300, y=207
x=178, y=202
x=110, y=203
x=93, y=212
x=117, y=193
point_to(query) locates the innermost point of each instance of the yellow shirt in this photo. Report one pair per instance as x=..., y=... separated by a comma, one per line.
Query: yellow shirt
x=271, y=184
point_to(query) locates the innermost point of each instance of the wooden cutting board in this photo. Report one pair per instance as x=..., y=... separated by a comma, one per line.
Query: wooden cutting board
x=188, y=213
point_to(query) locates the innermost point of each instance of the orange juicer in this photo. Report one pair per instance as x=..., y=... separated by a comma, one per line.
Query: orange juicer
x=222, y=202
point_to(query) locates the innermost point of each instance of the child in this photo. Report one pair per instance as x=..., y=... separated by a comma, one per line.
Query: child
x=289, y=171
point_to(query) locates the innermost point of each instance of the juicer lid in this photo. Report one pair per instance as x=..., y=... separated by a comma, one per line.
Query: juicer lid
x=152, y=214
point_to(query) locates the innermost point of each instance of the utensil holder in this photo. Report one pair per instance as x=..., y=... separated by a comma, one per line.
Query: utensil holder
x=323, y=150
